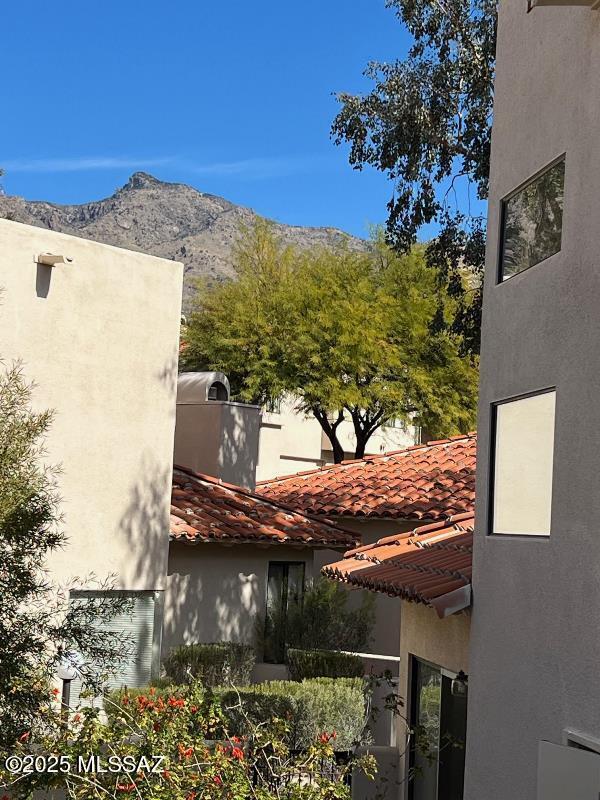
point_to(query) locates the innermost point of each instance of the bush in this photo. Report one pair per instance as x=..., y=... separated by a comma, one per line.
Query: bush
x=311, y=707
x=213, y=664
x=321, y=621
x=323, y=664
x=177, y=728
x=307, y=708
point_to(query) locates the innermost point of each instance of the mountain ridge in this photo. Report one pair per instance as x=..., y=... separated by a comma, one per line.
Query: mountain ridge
x=171, y=220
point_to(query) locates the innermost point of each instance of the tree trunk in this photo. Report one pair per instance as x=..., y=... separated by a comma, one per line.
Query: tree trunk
x=365, y=424
x=330, y=430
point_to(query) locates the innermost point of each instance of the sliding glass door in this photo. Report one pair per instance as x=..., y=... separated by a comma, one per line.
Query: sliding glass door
x=439, y=722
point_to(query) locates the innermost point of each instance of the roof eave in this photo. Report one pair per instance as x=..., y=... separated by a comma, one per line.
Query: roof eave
x=451, y=603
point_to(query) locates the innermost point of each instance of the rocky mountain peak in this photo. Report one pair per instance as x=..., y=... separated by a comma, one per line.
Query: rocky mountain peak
x=141, y=180
x=171, y=220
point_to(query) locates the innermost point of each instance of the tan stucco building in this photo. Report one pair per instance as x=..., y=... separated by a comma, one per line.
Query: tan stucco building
x=291, y=441
x=97, y=333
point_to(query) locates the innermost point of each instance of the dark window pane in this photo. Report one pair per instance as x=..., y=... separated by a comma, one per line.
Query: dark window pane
x=453, y=730
x=427, y=710
x=439, y=721
x=285, y=586
x=532, y=222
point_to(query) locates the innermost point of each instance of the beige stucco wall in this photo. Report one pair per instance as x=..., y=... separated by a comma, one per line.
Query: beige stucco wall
x=99, y=338
x=443, y=642
x=214, y=592
x=292, y=442
x=218, y=438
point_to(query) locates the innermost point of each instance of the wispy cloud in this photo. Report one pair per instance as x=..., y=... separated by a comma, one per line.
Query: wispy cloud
x=244, y=169
x=81, y=164
x=274, y=167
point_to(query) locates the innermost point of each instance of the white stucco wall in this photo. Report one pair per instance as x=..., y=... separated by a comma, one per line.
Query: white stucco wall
x=99, y=337
x=292, y=442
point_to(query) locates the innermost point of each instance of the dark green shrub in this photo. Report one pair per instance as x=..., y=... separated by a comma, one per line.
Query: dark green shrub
x=214, y=664
x=323, y=664
x=328, y=618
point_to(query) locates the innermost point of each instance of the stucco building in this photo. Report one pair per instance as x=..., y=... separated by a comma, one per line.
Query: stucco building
x=534, y=706
x=414, y=510
x=97, y=334
x=291, y=441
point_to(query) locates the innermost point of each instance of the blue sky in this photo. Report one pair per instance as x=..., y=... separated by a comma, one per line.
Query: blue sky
x=234, y=98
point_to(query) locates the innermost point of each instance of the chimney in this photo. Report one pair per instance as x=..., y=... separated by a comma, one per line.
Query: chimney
x=212, y=434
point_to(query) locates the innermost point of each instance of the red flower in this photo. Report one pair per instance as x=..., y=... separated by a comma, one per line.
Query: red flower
x=236, y=739
x=55, y=692
x=185, y=752
x=166, y=774
x=325, y=737
x=125, y=701
x=24, y=736
x=77, y=718
x=217, y=780
x=193, y=709
x=152, y=690
x=237, y=753
x=191, y=796
x=125, y=787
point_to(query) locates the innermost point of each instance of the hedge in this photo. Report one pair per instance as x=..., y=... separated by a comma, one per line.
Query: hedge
x=213, y=664
x=308, y=707
x=323, y=664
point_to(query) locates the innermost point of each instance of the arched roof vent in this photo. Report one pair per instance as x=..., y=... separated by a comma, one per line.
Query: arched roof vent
x=200, y=387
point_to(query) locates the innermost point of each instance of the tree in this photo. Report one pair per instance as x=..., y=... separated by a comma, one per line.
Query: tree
x=346, y=332
x=427, y=124
x=36, y=635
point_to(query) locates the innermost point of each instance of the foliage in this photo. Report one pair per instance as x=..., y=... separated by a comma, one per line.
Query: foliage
x=426, y=123
x=330, y=618
x=321, y=621
x=259, y=765
x=323, y=664
x=36, y=635
x=310, y=706
x=213, y=664
x=349, y=333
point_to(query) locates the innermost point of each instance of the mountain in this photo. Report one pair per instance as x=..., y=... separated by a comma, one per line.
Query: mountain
x=171, y=220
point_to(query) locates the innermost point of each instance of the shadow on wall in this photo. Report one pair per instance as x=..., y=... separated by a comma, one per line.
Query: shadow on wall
x=144, y=526
x=145, y=521
x=239, y=444
x=213, y=594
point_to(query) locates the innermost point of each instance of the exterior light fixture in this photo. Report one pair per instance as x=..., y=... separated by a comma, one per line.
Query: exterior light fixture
x=460, y=685
x=52, y=260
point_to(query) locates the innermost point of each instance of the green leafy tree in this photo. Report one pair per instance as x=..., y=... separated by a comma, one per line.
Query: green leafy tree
x=36, y=635
x=427, y=123
x=348, y=333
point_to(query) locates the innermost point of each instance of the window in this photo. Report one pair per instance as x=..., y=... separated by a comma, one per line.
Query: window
x=532, y=222
x=273, y=405
x=218, y=391
x=439, y=719
x=522, y=464
x=141, y=622
x=395, y=422
x=285, y=587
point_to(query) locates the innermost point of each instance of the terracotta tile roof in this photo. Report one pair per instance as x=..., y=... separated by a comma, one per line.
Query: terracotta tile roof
x=428, y=481
x=203, y=509
x=431, y=565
